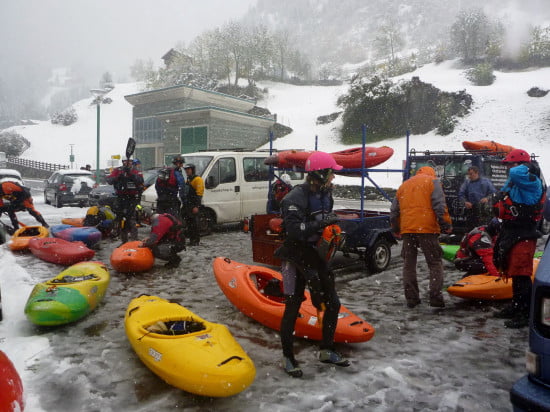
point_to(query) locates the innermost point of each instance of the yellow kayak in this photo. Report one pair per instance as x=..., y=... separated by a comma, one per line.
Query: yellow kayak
x=69, y=296
x=186, y=351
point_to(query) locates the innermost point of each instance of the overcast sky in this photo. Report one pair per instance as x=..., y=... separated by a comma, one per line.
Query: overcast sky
x=105, y=35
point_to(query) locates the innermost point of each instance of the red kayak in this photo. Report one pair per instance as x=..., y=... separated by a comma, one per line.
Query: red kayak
x=130, y=258
x=11, y=387
x=349, y=158
x=487, y=146
x=60, y=251
x=257, y=292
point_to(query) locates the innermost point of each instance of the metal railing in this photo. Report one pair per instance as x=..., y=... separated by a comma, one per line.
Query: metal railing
x=33, y=164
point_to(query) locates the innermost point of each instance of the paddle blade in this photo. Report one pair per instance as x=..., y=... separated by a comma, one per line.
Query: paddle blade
x=130, y=147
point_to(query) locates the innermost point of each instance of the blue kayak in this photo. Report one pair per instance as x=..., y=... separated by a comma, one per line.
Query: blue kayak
x=89, y=235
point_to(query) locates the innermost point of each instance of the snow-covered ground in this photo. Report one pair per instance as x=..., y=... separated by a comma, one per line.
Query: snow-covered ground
x=457, y=358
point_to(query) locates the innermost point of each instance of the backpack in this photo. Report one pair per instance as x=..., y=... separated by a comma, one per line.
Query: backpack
x=166, y=180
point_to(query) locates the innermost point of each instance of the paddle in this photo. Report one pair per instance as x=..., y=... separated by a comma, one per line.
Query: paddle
x=130, y=147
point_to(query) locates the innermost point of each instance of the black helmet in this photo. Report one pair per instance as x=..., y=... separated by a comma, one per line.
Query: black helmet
x=178, y=159
x=189, y=166
x=493, y=227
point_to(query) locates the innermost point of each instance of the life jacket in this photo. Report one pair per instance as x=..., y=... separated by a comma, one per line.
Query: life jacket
x=175, y=233
x=280, y=189
x=506, y=209
x=167, y=181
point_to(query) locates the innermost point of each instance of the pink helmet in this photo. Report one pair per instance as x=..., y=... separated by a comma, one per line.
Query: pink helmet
x=517, y=156
x=321, y=161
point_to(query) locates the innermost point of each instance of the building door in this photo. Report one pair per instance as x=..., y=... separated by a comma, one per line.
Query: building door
x=193, y=139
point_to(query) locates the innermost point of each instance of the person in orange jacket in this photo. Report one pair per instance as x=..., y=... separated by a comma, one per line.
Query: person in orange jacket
x=20, y=199
x=419, y=214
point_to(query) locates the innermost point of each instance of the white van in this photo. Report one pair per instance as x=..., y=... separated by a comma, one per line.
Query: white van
x=236, y=186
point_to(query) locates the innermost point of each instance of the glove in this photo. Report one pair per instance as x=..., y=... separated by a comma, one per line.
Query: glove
x=329, y=219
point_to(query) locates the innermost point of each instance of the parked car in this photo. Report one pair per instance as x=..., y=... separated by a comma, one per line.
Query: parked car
x=104, y=194
x=10, y=175
x=68, y=187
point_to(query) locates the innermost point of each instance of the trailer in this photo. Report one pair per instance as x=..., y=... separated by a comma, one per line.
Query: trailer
x=366, y=233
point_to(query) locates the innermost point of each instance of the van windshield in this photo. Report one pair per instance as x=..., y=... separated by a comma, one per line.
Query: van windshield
x=200, y=162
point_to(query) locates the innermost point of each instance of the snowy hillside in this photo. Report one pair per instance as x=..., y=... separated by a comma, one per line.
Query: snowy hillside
x=501, y=112
x=51, y=142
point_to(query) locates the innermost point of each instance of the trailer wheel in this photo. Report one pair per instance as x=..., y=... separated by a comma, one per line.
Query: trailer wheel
x=377, y=258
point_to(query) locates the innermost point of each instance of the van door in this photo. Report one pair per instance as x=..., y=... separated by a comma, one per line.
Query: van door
x=222, y=190
x=255, y=185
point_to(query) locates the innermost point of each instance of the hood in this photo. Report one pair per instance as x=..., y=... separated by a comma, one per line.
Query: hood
x=426, y=170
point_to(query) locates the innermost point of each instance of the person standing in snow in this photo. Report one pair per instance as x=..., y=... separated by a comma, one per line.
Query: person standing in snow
x=306, y=210
x=419, y=214
x=520, y=206
x=169, y=186
x=20, y=199
x=280, y=189
x=128, y=184
x=475, y=255
x=191, y=203
x=476, y=193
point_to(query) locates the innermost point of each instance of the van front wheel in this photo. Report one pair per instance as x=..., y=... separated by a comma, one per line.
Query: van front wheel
x=206, y=221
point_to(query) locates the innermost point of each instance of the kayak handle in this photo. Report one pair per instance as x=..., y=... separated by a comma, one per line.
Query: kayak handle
x=229, y=359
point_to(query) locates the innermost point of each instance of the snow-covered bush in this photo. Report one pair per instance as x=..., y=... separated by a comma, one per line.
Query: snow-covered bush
x=66, y=117
x=13, y=144
x=481, y=75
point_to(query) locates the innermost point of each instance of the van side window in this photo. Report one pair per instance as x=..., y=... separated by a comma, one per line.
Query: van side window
x=255, y=170
x=223, y=171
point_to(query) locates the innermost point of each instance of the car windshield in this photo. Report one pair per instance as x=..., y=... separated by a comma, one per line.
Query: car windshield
x=200, y=162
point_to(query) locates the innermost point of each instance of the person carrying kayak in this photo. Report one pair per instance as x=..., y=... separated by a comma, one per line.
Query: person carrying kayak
x=306, y=210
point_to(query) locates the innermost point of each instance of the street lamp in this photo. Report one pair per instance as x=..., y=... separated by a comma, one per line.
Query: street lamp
x=98, y=98
x=71, y=156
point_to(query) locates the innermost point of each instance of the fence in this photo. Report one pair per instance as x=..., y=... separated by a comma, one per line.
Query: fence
x=33, y=164
x=32, y=168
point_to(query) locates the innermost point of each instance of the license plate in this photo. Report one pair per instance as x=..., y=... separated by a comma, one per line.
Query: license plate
x=81, y=197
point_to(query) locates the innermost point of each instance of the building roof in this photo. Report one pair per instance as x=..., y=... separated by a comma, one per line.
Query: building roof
x=216, y=112
x=208, y=97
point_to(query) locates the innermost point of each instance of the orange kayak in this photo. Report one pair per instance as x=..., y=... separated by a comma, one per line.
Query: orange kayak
x=487, y=146
x=20, y=239
x=349, y=158
x=257, y=292
x=485, y=287
x=130, y=258
x=73, y=221
x=11, y=387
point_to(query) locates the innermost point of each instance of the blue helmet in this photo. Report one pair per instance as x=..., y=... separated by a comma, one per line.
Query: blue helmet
x=136, y=162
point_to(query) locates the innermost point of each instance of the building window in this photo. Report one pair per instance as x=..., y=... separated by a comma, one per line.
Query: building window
x=148, y=130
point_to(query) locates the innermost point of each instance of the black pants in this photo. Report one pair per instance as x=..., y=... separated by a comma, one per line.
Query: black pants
x=470, y=265
x=292, y=307
x=191, y=221
x=521, y=299
x=125, y=210
x=168, y=251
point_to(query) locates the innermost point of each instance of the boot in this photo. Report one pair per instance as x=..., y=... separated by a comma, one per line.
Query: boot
x=291, y=367
x=508, y=312
x=330, y=356
x=520, y=320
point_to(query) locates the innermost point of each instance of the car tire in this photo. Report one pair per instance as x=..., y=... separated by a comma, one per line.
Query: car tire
x=377, y=257
x=46, y=199
x=57, y=202
x=206, y=221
